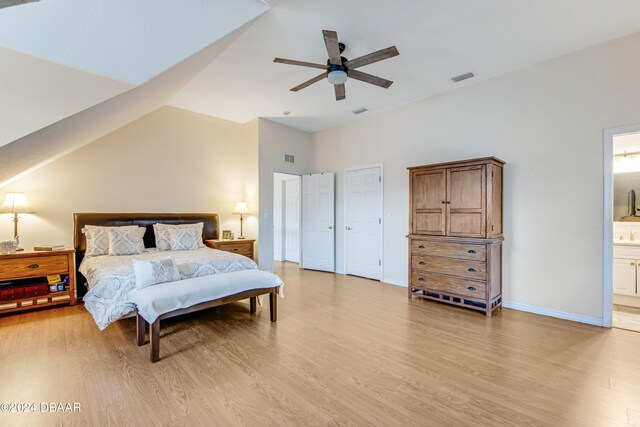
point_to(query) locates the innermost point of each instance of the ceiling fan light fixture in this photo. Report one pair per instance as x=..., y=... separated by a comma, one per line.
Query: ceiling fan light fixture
x=337, y=77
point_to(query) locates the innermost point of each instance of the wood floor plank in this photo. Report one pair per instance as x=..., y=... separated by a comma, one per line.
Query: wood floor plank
x=345, y=351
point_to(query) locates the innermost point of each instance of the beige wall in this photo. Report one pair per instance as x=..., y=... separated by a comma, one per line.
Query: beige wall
x=547, y=123
x=276, y=140
x=170, y=160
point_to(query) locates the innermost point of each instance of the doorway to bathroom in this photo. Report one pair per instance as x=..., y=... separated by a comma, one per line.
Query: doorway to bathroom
x=625, y=214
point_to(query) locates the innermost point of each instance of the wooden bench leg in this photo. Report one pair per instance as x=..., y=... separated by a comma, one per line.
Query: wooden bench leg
x=273, y=304
x=141, y=329
x=253, y=301
x=154, y=337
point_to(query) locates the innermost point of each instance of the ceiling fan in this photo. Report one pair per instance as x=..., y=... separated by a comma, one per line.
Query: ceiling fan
x=339, y=68
x=9, y=3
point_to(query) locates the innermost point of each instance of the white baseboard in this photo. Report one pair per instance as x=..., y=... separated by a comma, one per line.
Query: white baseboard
x=590, y=320
x=394, y=282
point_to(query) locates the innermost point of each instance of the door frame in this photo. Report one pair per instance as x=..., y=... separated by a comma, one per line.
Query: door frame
x=273, y=172
x=607, y=235
x=344, y=215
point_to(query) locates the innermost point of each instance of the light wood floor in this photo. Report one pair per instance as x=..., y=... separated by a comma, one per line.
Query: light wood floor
x=344, y=351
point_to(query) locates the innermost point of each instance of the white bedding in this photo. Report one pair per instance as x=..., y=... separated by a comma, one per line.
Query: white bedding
x=154, y=301
x=111, y=278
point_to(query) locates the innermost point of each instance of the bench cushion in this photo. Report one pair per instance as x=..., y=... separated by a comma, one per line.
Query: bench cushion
x=154, y=301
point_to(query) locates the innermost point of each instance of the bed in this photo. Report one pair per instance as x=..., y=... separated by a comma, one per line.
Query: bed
x=108, y=280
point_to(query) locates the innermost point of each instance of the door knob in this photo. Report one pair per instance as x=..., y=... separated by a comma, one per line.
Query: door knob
x=347, y=228
x=331, y=227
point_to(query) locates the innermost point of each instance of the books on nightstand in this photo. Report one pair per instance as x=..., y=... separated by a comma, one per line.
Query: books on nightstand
x=48, y=247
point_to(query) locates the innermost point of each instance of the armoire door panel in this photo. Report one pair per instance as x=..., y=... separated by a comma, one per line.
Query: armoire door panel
x=466, y=224
x=466, y=197
x=428, y=204
x=429, y=223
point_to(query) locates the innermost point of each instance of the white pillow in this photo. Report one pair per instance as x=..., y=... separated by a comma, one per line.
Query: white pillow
x=185, y=239
x=155, y=271
x=126, y=242
x=98, y=238
x=163, y=239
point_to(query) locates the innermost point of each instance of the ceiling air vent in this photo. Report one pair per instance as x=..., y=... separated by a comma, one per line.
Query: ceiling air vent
x=289, y=158
x=359, y=110
x=461, y=77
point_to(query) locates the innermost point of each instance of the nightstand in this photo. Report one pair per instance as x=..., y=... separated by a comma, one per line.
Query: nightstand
x=240, y=246
x=28, y=271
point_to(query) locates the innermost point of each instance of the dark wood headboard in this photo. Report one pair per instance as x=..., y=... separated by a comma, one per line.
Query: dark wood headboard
x=80, y=220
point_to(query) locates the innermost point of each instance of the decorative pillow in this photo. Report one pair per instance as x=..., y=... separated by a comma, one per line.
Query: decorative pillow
x=98, y=238
x=126, y=242
x=163, y=240
x=184, y=239
x=155, y=271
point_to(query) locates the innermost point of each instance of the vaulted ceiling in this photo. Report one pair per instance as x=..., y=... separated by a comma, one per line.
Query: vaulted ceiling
x=437, y=39
x=72, y=70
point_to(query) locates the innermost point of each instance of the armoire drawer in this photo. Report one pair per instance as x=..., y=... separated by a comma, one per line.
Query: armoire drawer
x=449, y=250
x=448, y=285
x=454, y=267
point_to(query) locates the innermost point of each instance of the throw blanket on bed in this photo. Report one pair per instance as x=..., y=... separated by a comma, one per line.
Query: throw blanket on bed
x=111, y=278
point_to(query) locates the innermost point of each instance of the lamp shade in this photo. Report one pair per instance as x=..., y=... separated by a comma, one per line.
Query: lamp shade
x=241, y=208
x=15, y=203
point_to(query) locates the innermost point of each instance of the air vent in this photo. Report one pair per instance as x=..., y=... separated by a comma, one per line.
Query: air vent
x=359, y=110
x=288, y=158
x=462, y=77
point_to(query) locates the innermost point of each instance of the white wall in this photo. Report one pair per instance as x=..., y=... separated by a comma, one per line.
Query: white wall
x=546, y=122
x=170, y=160
x=276, y=140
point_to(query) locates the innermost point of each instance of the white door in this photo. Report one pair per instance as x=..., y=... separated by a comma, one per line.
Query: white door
x=291, y=193
x=624, y=276
x=363, y=222
x=318, y=214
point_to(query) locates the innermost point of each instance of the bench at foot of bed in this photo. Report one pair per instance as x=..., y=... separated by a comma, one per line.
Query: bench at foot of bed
x=187, y=296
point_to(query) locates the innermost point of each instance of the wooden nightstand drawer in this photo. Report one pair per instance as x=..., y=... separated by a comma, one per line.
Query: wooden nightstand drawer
x=28, y=271
x=240, y=247
x=27, y=267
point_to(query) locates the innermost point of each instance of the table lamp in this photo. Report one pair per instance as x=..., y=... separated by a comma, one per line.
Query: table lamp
x=241, y=208
x=15, y=203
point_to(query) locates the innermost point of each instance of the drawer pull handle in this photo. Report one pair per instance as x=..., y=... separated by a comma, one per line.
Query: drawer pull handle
x=422, y=279
x=422, y=263
x=471, y=288
x=235, y=249
x=421, y=247
x=471, y=251
x=34, y=266
x=472, y=270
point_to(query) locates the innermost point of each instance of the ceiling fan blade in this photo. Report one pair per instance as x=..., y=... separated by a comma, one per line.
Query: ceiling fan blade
x=389, y=52
x=369, y=78
x=333, y=49
x=300, y=63
x=9, y=3
x=309, y=82
x=340, y=93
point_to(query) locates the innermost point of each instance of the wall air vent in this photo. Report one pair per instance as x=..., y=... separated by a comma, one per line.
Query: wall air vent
x=462, y=77
x=359, y=110
x=288, y=158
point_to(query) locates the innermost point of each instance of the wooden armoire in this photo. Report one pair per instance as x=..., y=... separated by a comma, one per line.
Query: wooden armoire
x=455, y=226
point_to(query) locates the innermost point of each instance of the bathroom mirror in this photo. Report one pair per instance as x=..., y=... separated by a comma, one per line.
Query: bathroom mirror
x=623, y=183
